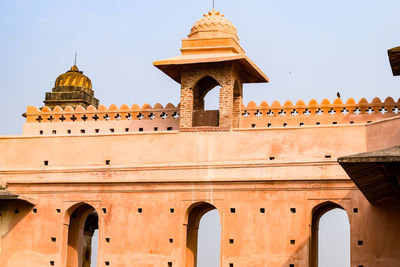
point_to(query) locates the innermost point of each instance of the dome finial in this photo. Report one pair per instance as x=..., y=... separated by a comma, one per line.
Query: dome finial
x=76, y=54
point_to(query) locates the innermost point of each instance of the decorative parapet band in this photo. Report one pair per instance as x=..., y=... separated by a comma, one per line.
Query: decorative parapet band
x=79, y=114
x=263, y=115
x=325, y=113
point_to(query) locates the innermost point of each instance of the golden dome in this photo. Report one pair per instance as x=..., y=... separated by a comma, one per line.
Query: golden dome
x=74, y=78
x=213, y=24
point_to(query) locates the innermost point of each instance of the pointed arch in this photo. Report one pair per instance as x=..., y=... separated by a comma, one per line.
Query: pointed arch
x=81, y=221
x=203, y=117
x=192, y=222
x=317, y=212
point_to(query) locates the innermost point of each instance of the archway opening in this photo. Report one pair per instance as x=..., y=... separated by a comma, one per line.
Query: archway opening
x=203, y=236
x=330, y=236
x=206, y=102
x=83, y=223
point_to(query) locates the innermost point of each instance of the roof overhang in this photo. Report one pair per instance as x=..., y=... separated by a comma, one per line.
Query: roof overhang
x=376, y=174
x=173, y=66
x=7, y=195
x=394, y=58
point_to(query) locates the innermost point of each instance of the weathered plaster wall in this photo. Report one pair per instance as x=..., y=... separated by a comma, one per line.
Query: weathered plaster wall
x=160, y=171
x=383, y=134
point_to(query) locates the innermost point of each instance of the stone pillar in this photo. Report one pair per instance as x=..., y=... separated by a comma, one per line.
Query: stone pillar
x=186, y=104
x=226, y=104
x=237, y=103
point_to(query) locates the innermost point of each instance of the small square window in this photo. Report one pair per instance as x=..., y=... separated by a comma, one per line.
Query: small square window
x=40, y=132
x=112, y=130
x=171, y=240
x=107, y=239
x=107, y=263
x=54, y=132
x=140, y=129
x=293, y=210
x=46, y=163
x=140, y=210
x=34, y=210
x=231, y=241
x=126, y=129
x=172, y=210
x=262, y=210
x=104, y=210
x=69, y=131
x=169, y=128
x=360, y=242
x=53, y=239
x=355, y=210
x=233, y=210
x=51, y=263
x=292, y=242
x=58, y=210
x=83, y=131
x=96, y=130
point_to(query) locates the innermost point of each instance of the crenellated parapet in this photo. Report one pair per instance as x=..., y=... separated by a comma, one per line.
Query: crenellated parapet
x=101, y=120
x=102, y=113
x=314, y=113
x=114, y=119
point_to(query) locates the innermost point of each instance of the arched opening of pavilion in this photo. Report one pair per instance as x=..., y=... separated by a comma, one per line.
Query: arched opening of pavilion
x=206, y=113
x=81, y=244
x=330, y=236
x=200, y=223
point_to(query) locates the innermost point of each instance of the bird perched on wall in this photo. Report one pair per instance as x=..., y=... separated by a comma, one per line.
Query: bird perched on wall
x=338, y=95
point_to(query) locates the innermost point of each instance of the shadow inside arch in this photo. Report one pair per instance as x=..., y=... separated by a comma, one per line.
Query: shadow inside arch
x=193, y=216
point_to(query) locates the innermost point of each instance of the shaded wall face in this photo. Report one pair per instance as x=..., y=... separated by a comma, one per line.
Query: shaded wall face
x=384, y=134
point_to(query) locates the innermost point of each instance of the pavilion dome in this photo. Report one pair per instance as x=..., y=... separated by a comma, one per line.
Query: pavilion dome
x=214, y=25
x=74, y=78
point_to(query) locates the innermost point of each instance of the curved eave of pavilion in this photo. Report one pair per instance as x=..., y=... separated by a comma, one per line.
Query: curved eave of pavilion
x=376, y=173
x=7, y=195
x=394, y=58
x=172, y=66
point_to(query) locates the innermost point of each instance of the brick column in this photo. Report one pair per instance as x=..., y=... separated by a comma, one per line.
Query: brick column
x=186, y=106
x=226, y=104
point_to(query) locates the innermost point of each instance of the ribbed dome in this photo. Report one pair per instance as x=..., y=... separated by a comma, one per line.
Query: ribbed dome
x=74, y=78
x=213, y=24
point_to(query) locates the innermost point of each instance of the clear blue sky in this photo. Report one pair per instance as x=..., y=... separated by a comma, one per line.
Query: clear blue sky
x=308, y=48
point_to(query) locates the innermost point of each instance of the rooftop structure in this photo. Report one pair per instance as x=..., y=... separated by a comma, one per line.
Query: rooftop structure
x=144, y=176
